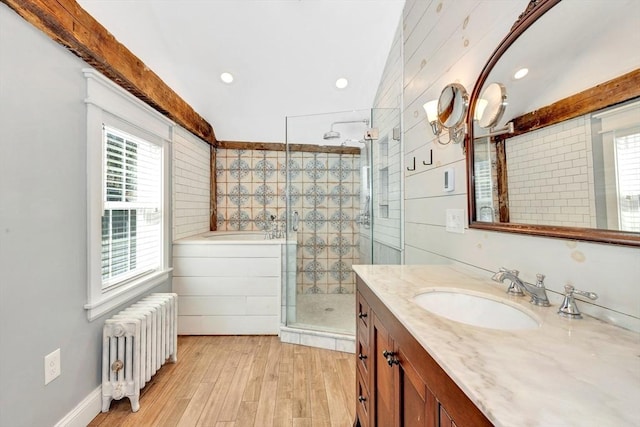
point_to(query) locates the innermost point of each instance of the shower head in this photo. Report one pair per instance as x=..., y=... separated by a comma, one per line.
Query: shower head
x=332, y=134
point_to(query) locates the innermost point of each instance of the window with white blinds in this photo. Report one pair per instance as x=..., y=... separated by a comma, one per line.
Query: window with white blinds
x=132, y=200
x=620, y=129
x=128, y=196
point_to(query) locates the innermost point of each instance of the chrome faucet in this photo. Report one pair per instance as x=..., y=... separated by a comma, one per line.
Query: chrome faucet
x=513, y=289
x=537, y=292
x=272, y=229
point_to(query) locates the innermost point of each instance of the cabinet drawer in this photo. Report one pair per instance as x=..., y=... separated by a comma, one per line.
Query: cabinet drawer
x=362, y=312
x=362, y=402
x=363, y=357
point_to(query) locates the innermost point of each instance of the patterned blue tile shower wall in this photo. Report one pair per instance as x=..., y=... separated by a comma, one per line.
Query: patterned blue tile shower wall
x=324, y=189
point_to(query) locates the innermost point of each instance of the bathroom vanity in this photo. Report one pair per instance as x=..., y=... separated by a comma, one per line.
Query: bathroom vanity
x=417, y=368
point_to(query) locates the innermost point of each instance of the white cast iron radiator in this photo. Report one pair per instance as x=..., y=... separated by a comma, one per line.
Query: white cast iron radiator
x=135, y=343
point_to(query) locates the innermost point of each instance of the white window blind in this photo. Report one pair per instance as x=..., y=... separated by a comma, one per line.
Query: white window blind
x=132, y=202
x=628, y=175
x=483, y=181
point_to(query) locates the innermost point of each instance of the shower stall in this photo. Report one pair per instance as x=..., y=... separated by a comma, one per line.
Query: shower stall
x=343, y=191
x=336, y=188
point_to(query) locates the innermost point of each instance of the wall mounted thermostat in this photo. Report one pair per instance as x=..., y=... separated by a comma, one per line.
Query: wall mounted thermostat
x=449, y=179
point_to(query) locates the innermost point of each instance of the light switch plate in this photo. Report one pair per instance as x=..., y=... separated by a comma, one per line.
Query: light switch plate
x=455, y=221
x=51, y=366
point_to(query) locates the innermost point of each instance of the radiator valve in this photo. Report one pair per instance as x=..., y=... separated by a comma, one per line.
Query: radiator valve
x=117, y=365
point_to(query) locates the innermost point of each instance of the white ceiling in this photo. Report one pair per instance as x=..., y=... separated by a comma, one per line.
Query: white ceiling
x=564, y=59
x=285, y=55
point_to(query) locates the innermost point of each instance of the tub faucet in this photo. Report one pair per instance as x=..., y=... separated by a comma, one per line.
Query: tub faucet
x=537, y=292
x=272, y=229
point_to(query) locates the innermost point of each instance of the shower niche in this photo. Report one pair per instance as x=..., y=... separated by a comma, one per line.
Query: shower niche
x=383, y=177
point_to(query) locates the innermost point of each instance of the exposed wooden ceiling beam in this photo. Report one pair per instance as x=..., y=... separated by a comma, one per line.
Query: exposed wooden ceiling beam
x=70, y=25
x=611, y=92
x=279, y=146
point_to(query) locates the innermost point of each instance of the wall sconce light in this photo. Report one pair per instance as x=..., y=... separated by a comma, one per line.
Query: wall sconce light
x=431, y=108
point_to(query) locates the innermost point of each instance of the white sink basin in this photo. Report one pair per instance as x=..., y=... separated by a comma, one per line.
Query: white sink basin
x=473, y=309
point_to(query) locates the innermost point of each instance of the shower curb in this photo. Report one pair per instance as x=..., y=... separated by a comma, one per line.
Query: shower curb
x=327, y=340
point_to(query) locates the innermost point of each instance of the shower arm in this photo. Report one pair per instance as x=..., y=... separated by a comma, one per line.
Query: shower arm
x=365, y=121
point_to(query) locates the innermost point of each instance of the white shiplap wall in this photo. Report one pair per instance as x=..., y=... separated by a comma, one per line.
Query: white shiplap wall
x=448, y=41
x=191, y=184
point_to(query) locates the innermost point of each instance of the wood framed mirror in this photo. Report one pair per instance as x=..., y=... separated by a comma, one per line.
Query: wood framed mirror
x=569, y=167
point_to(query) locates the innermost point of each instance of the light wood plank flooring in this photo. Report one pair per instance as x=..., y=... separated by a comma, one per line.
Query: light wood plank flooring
x=234, y=381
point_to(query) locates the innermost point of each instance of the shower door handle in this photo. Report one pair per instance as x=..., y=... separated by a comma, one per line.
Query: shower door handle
x=295, y=221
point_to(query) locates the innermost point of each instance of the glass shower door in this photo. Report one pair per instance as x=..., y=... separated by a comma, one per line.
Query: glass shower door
x=323, y=187
x=344, y=184
x=383, y=237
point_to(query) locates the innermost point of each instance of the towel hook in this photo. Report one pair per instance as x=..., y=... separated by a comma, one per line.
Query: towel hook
x=414, y=165
x=430, y=159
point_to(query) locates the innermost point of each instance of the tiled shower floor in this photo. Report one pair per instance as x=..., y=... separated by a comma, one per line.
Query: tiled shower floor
x=326, y=312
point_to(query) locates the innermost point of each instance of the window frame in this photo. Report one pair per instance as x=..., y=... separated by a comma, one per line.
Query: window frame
x=109, y=105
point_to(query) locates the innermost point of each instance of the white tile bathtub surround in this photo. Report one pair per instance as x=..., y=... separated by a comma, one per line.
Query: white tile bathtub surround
x=191, y=184
x=590, y=368
x=435, y=57
x=228, y=287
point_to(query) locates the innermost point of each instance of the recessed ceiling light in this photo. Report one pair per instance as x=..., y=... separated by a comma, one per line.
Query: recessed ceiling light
x=226, y=77
x=341, y=83
x=521, y=73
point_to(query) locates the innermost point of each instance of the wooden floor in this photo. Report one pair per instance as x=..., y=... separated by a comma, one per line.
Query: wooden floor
x=234, y=381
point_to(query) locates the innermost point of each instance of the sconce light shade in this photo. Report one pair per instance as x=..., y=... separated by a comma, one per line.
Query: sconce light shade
x=431, y=108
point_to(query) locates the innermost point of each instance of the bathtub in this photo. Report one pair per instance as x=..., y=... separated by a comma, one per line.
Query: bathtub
x=231, y=237
x=232, y=282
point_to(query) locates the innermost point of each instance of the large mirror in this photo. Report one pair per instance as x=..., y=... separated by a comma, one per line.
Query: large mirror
x=564, y=158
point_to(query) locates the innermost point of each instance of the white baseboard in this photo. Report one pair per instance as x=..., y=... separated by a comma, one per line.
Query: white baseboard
x=86, y=411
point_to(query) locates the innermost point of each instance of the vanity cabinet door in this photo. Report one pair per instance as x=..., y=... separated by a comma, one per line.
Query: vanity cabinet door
x=401, y=399
x=445, y=419
x=417, y=404
x=383, y=388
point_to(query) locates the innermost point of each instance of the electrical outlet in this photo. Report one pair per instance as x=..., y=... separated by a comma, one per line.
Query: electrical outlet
x=51, y=366
x=455, y=221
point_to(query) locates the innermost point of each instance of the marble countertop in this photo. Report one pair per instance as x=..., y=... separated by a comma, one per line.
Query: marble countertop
x=568, y=372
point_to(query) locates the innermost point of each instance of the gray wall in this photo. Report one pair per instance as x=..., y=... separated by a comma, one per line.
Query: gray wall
x=43, y=250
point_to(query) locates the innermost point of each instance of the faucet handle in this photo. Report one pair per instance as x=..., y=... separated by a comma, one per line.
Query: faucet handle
x=540, y=280
x=569, y=308
x=572, y=290
x=506, y=270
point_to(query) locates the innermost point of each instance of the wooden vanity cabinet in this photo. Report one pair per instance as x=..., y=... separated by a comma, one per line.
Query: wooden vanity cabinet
x=398, y=382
